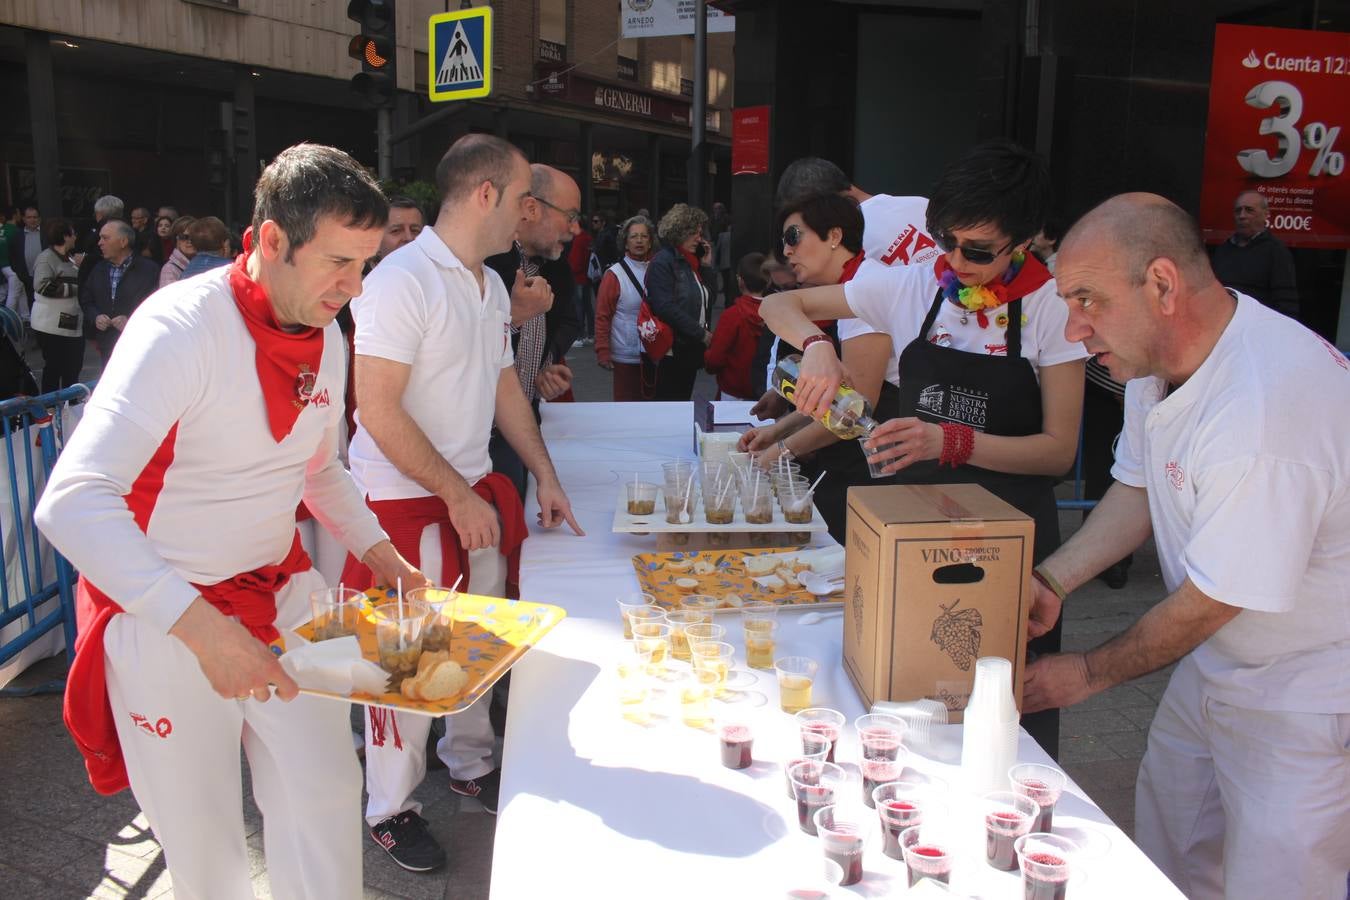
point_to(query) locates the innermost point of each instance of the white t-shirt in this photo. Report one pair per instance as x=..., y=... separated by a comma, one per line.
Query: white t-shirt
x=896, y=300
x=895, y=231
x=851, y=328
x=1247, y=468
x=182, y=393
x=422, y=308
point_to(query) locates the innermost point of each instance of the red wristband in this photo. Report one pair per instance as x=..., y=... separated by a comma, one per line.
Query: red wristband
x=814, y=339
x=958, y=443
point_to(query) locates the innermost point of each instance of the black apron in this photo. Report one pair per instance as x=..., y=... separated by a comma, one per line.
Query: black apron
x=997, y=395
x=847, y=465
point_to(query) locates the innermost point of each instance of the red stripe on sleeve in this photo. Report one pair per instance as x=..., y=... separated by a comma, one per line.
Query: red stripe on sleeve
x=145, y=490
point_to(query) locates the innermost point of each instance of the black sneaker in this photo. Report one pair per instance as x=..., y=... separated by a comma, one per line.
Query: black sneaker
x=485, y=789
x=408, y=842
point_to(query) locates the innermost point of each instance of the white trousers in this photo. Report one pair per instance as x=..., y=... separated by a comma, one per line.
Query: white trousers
x=394, y=768
x=1241, y=803
x=181, y=742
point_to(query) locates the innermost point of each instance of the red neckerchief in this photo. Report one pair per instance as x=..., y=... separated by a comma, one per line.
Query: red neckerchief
x=287, y=361
x=1032, y=275
x=693, y=262
x=851, y=267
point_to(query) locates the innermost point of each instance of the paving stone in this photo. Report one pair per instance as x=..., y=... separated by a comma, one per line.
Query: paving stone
x=1083, y=749
x=1129, y=744
x=1099, y=721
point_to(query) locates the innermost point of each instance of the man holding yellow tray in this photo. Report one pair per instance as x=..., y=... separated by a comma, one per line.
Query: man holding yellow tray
x=434, y=368
x=176, y=500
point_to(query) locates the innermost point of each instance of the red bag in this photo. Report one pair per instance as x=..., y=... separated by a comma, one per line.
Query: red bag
x=657, y=337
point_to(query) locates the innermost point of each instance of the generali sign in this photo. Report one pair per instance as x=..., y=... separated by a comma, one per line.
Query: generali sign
x=554, y=83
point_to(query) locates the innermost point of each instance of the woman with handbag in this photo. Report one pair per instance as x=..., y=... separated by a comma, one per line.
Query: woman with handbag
x=56, y=319
x=677, y=297
x=617, y=304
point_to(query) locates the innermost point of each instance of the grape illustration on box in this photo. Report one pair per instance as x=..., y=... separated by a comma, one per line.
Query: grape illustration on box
x=957, y=634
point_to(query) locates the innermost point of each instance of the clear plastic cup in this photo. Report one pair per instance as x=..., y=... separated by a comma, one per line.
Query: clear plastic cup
x=1046, y=861
x=698, y=632
x=704, y=604
x=881, y=736
x=761, y=639
x=631, y=603
x=719, y=506
x=796, y=675
x=398, y=636
x=812, y=749
x=843, y=833
x=679, y=620
x=877, y=771
x=828, y=723
x=900, y=805
x=797, y=506
x=757, y=501
x=641, y=497
x=336, y=612
x=928, y=853
x=874, y=469
x=653, y=637
x=814, y=785
x=736, y=739
x=440, y=625
x=634, y=683
x=681, y=501
x=713, y=656
x=1007, y=816
x=1043, y=784
x=695, y=689
x=677, y=473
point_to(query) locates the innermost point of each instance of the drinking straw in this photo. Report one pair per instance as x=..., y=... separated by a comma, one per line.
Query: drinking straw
x=400, y=612
x=454, y=587
x=818, y=480
x=688, y=488
x=723, y=493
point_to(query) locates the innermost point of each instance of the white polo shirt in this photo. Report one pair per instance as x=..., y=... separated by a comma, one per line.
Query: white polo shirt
x=896, y=300
x=423, y=308
x=851, y=328
x=176, y=435
x=1247, y=468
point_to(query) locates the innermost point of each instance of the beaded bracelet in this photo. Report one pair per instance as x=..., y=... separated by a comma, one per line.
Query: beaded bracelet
x=958, y=443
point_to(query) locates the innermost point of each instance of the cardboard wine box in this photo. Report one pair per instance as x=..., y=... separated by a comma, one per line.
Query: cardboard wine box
x=936, y=576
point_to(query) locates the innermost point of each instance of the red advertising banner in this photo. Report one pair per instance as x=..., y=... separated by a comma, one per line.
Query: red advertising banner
x=1278, y=98
x=750, y=140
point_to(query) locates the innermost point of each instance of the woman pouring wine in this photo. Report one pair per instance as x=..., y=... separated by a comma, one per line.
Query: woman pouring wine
x=990, y=390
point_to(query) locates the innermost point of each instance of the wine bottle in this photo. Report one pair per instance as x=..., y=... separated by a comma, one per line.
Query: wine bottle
x=849, y=415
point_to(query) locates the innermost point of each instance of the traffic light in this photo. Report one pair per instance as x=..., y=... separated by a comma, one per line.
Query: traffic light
x=374, y=48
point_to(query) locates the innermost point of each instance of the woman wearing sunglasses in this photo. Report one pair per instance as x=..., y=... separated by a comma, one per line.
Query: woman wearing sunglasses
x=822, y=238
x=990, y=390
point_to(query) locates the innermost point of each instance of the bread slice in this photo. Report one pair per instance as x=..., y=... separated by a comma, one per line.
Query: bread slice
x=445, y=679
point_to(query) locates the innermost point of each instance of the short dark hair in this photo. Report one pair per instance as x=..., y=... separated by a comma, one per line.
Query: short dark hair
x=181, y=226
x=810, y=175
x=750, y=268
x=56, y=231
x=309, y=181
x=33, y=208
x=208, y=235
x=472, y=160
x=821, y=212
x=997, y=183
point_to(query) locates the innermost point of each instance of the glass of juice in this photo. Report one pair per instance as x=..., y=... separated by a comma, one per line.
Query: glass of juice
x=1007, y=816
x=716, y=657
x=828, y=723
x=654, y=639
x=336, y=612
x=1046, y=861
x=631, y=603
x=842, y=834
x=634, y=683
x=695, y=693
x=928, y=854
x=698, y=632
x=760, y=642
x=705, y=604
x=796, y=674
x=814, y=785
x=679, y=620
x=1042, y=784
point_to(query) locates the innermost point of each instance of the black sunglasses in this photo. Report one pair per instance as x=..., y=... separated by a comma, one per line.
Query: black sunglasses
x=976, y=256
x=792, y=236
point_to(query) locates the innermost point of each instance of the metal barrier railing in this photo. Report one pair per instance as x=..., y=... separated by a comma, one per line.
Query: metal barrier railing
x=1078, y=501
x=29, y=423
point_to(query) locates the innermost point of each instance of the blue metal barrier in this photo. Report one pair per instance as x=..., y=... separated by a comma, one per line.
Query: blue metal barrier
x=1077, y=501
x=20, y=418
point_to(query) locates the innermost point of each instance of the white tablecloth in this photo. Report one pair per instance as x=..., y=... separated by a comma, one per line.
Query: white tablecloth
x=596, y=806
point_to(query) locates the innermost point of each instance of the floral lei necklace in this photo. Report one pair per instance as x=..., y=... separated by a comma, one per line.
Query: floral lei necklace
x=981, y=297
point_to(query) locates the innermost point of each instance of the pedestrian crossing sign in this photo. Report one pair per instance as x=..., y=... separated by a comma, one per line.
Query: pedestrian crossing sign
x=461, y=54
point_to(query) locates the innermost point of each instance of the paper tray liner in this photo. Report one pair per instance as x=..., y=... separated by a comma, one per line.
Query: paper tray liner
x=490, y=634
x=657, y=578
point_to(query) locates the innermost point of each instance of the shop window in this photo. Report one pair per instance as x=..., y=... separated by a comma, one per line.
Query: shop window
x=553, y=21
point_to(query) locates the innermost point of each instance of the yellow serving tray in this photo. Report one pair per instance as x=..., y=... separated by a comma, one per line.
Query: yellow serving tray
x=657, y=577
x=490, y=634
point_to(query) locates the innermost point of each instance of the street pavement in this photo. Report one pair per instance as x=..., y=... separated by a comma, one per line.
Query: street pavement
x=64, y=841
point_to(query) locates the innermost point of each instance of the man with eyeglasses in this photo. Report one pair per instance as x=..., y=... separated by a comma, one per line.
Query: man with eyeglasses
x=540, y=338
x=1253, y=260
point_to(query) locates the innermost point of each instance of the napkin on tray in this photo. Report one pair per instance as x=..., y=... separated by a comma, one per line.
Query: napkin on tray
x=334, y=666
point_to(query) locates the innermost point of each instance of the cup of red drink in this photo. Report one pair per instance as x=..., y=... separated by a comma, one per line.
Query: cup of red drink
x=1043, y=784
x=900, y=805
x=928, y=854
x=881, y=736
x=736, y=740
x=1046, y=861
x=842, y=836
x=813, y=749
x=814, y=785
x=876, y=772
x=1007, y=816
x=826, y=723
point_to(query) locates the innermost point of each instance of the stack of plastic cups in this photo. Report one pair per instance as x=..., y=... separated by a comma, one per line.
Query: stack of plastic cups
x=989, y=735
